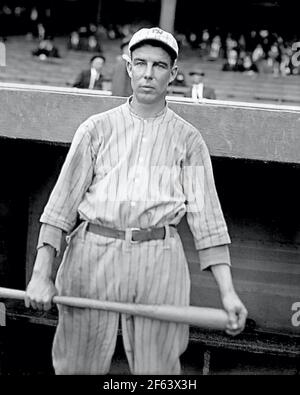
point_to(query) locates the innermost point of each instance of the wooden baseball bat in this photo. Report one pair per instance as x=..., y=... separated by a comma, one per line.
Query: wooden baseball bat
x=203, y=317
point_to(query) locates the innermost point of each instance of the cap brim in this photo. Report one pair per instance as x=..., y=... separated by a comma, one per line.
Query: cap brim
x=164, y=45
x=197, y=73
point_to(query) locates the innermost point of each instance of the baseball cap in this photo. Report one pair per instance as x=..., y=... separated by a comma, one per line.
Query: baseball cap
x=197, y=71
x=100, y=55
x=155, y=34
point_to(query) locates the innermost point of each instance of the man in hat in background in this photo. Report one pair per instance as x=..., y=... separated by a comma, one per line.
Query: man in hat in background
x=121, y=82
x=130, y=175
x=46, y=49
x=92, y=78
x=199, y=90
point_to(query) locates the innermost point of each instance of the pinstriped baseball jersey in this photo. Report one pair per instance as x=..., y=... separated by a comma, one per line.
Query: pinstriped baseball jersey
x=123, y=171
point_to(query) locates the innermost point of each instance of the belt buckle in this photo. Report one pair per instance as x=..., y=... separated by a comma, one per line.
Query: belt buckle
x=134, y=241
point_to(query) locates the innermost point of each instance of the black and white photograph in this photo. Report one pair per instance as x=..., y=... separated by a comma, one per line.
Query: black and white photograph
x=149, y=190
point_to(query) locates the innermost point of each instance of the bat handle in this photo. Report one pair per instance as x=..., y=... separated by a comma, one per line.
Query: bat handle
x=8, y=293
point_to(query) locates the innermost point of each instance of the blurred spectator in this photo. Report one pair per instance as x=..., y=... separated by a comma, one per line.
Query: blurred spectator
x=273, y=59
x=198, y=89
x=85, y=39
x=41, y=31
x=250, y=51
x=101, y=33
x=285, y=64
x=194, y=40
x=46, y=49
x=181, y=40
x=204, y=43
x=92, y=78
x=247, y=66
x=264, y=37
x=92, y=44
x=258, y=53
x=126, y=30
x=231, y=63
x=111, y=33
x=74, y=41
x=242, y=43
x=179, y=80
x=215, y=48
x=230, y=43
x=121, y=82
x=36, y=27
x=34, y=16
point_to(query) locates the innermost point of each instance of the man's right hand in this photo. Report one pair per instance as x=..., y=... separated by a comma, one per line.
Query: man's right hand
x=41, y=289
x=39, y=293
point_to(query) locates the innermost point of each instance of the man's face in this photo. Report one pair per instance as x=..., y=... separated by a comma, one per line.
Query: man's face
x=197, y=78
x=151, y=72
x=98, y=64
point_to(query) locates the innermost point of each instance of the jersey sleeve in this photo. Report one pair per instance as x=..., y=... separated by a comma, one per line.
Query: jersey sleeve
x=218, y=255
x=50, y=235
x=204, y=213
x=74, y=180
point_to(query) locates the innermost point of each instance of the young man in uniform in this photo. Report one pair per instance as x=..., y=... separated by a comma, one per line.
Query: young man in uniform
x=131, y=174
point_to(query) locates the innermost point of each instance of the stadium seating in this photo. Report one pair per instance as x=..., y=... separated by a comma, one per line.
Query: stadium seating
x=264, y=88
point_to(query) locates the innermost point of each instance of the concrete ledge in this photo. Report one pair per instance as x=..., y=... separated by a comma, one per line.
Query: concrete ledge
x=231, y=129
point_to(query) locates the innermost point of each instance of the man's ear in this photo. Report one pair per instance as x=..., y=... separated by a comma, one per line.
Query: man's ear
x=174, y=72
x=128, y=64
x=129, y=68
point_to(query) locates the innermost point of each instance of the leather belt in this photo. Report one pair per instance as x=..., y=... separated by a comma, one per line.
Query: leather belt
x=137, y=235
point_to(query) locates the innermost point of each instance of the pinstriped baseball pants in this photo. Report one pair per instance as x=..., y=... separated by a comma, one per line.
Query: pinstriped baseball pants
x=102, y=268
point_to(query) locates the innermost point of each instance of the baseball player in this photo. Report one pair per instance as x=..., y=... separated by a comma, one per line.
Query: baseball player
x=130, y=175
